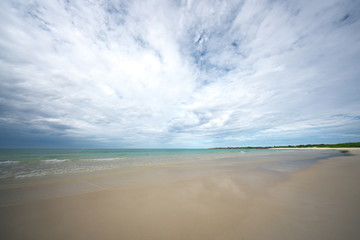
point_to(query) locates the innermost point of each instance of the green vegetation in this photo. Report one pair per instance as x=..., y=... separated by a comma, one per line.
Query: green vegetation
x=339, y=145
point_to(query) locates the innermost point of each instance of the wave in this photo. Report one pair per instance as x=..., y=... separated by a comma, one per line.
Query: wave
x=9, y=162
x=105, y=159
x=32, y=174
x=55, y=160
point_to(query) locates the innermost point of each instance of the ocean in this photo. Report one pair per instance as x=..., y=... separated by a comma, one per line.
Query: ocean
x=30, y=163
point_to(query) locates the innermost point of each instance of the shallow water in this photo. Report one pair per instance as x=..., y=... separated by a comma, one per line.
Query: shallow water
x=28, y=163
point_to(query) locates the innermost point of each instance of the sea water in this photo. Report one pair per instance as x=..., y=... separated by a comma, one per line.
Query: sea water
x=29, y=163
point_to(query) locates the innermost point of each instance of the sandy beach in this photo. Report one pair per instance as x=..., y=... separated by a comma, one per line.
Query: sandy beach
x=219, y=201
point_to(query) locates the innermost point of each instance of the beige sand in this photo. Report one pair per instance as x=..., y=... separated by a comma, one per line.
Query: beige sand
x=233, y=202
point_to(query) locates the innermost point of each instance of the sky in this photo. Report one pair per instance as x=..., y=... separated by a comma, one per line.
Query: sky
x=178, y=73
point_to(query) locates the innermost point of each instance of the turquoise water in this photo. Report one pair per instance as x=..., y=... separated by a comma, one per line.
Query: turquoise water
x=18, y=163
x=86, y=154
x=24, y=163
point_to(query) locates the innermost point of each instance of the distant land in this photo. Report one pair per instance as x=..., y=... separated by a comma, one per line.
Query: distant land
x=338, y=145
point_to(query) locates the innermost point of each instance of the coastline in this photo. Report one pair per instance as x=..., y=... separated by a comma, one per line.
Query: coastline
x=317, y=148
x=227, y=202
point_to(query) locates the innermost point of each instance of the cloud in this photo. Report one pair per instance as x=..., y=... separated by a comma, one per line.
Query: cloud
x=178, y=73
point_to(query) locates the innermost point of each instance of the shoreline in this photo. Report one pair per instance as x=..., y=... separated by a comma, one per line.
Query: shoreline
x=18, y=190
x=317, y=148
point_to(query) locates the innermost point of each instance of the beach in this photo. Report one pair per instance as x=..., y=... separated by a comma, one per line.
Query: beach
x=277, y=195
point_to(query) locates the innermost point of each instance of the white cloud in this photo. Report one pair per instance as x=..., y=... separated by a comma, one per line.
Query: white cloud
x=179, y=73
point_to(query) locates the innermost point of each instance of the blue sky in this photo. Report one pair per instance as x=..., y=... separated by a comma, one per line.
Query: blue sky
x=179, y=74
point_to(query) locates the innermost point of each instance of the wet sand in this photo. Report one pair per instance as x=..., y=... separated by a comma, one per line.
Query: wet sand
x=194, y=201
